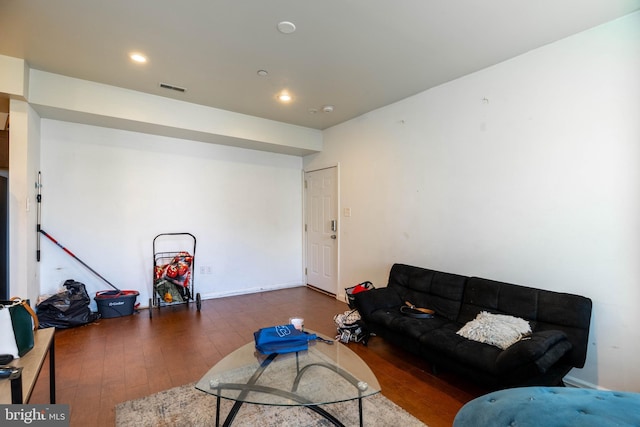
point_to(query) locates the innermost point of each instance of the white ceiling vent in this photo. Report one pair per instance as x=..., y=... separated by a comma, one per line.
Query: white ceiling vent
x=172, y=87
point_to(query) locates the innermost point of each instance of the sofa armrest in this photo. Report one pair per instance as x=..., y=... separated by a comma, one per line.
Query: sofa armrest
x=542, y=348
x=375, y=299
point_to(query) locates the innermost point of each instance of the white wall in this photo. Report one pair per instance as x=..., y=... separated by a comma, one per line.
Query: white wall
x=24, y=158
x=107, y=193
x=526, y=172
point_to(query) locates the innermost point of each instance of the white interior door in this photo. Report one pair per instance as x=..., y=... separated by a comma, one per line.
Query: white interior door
x=322, y=229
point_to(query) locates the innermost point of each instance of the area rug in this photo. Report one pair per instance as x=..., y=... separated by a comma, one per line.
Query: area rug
x=187, y=406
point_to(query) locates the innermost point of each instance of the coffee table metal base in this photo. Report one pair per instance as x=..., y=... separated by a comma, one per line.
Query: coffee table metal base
x=251, y=386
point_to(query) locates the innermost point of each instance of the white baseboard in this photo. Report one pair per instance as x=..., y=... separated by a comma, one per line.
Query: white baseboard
x=245, y=291
x=578, y=383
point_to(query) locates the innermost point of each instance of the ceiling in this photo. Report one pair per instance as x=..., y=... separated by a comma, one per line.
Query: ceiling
x=355, y=55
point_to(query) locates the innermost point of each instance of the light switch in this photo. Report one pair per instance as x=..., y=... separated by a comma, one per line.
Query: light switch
x=347, y=211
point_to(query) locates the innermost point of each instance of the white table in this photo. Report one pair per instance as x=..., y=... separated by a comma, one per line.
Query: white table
x=31, y=364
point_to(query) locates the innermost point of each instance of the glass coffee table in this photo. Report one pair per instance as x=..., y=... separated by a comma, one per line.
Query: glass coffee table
x=324, y=374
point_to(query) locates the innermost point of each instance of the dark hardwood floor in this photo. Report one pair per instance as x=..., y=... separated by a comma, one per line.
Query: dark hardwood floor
x=114, y=360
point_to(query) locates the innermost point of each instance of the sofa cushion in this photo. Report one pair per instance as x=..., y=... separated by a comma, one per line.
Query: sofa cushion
x=498, y=297
x=399, y=324
x=553, y=355
x=414, y=327
x=571, y=314
x=542, y=348
x=448, y=344
x=383, y=317
x=426, y=288
x=538, y=352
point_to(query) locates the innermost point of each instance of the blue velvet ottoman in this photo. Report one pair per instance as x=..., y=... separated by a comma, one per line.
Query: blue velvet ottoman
x=551, y=407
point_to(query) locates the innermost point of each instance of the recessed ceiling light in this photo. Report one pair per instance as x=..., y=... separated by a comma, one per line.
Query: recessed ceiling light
x=328, y=108
x=263, y=73
x=138, y=57
x=286, y=27
x=284, y=97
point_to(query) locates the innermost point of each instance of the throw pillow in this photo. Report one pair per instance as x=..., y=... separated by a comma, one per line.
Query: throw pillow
x=499, y=330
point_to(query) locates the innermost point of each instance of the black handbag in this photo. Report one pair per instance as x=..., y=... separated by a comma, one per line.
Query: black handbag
x=353, y=290
x=23, y=322
x=351, y=328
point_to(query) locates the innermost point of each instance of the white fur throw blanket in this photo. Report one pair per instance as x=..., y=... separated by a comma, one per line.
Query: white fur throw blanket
x=499, y=330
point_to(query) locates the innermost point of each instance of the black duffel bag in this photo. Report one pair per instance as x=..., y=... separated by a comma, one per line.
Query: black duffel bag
x=66, y=309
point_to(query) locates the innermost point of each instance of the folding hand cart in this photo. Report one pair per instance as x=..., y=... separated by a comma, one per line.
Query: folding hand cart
x=173, y=258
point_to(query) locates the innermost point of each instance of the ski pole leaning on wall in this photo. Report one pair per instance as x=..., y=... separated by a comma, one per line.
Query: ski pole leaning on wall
x=114, y=303
x=40, y=231
x=48, y=236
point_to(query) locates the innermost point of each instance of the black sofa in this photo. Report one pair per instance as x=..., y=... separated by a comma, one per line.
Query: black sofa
x=559, y=323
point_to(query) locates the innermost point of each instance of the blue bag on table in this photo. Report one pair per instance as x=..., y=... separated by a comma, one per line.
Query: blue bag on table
x=282, y=339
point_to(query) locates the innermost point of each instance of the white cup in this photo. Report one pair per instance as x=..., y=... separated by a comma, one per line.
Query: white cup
x=297, y=322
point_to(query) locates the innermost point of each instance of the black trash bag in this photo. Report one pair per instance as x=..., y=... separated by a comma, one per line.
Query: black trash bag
x=66, y=309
